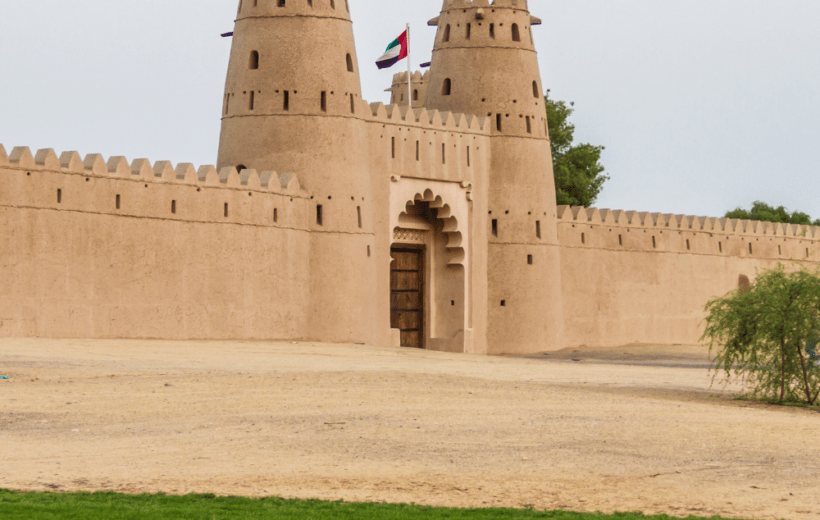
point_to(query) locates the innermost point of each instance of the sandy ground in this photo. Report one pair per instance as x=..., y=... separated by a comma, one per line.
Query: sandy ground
x=383, y=424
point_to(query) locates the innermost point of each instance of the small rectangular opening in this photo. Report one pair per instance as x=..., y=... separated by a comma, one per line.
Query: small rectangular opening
x=226, y=210
x=583, y=238
x=359, y=214
x=251, y=100
x=393, y=146
x=687, y=244
x=529, y=125
x=495, y=227
x=469, y=30
x=654, y=246
x=352, y=104
x=118, y=202
x=492, y=30
x=468, y=156
x=807, y=252
x=620, y=240
x=417, y=150
x=286, y=101
x=529, y=259
x=538, y=229
x=503, y=303
x=443, y=154
x=324, y=101
x=368, y=251
x=498, y=122
x=173, y=206
x=750, y=248
x=59, y=196
x=276, y=214
x=720, y=246
x=779, y=252
x=319, y=216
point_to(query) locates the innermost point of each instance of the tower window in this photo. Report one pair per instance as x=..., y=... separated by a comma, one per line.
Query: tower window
x=286, y=101
x=59, y=196
x=174, y=207
x=535, y=92
x=529, y=259
x=226, y=210
x=118, y=202
x=516, y=34
x=538, y=228
x=319, y=216
x=492, y=30
x=253, y=61
x=415, y=95
x=529, y=125
x=750, y=248
x=583, y=238
x=469, y=30
x=324, y=101
x=276, y=214
x=310, y=3
x=779, y=251
x=281, y=3
x=359, y=215
x=447, y=87
x=332, y=4
x=446, y=37
x=495, y=227
x=720, y=246
x=687, y=244
x=352, y=104
x=251, y=100
x=654, y=245
x=498, y=122
x=349, y=63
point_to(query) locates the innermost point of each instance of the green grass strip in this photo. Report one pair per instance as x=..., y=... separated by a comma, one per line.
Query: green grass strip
x=114, y=506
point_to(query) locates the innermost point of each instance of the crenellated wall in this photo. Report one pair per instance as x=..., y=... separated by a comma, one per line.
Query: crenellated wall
x=112, y=249
x=416, y=88
x=635, y=277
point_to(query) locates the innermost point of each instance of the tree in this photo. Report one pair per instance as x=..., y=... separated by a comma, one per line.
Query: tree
x=579, y=176
x=765, y=213
x=766, y=333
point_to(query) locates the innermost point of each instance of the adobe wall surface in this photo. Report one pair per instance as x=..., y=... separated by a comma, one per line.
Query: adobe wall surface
x=632, y=277
x=173, y=261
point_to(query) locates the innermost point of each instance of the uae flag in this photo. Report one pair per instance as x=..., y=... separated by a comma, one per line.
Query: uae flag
x=396, y=52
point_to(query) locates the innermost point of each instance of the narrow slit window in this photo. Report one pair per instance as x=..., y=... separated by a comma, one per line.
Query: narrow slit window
x=583, y=238
x=498, y=122
x=253, y=61
x=251, y=100
x=538, y=229
x=492, y=30
x=359, y=215
x=495, y=227
x=319, y=215
x=333, y=4
x=779, y=251
x=529, y=125
x=529, y=259
x=687, y=244
x=393, y=146
x=417, y=150
x=310, y=3
x=227, y=103
x=349, y=63
x=352, y=104
x=446, y=37
x=443, y=154
x=226, y=210
x=286, y=101
x=516, y=34
x=447, y=87
x=807, y=252
x=174, y=207
x=59, y=196
x=324, y=101
x=720, y=246
x=275, y=215
x=468, y=157
x=535, y=92
x=620, y=240
x=469, y=30
x=654, y=245
x=368, y=251
x=415, y=95
x=118, y=202
x=750, y=248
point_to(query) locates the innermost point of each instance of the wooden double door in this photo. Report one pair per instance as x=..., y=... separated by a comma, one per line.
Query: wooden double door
x=407, y=295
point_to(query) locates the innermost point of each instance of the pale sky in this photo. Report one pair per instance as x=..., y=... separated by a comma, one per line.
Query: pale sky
x=703, y=105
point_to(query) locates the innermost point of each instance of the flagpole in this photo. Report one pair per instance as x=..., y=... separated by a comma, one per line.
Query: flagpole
x=409, y=71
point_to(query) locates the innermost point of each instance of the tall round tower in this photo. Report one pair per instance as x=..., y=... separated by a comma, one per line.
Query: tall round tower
x=484, y=62
x=293, y=105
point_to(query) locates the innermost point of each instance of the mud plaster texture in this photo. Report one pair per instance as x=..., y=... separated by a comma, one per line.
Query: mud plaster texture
x=384, y=424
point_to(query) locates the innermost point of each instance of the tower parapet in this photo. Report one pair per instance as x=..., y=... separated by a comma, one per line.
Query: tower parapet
x=400, y=92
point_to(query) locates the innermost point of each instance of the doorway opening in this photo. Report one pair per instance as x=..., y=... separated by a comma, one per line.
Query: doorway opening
x=407, y=295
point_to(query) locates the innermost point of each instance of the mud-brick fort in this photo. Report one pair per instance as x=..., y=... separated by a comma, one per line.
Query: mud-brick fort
x=428, y=223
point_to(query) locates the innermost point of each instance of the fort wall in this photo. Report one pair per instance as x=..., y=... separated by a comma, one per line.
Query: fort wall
x=634, y=277
x=111, y=249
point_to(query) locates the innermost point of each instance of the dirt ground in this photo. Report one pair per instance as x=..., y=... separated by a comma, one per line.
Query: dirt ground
x=631, y=429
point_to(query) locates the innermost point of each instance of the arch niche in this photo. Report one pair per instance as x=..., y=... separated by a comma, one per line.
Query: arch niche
x=430, y=305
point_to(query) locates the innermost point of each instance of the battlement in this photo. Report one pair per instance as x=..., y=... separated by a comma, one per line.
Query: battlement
x=430, y=119
x=465, y=4
x=417, y=77
x=662, y=221
x=95, y=165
